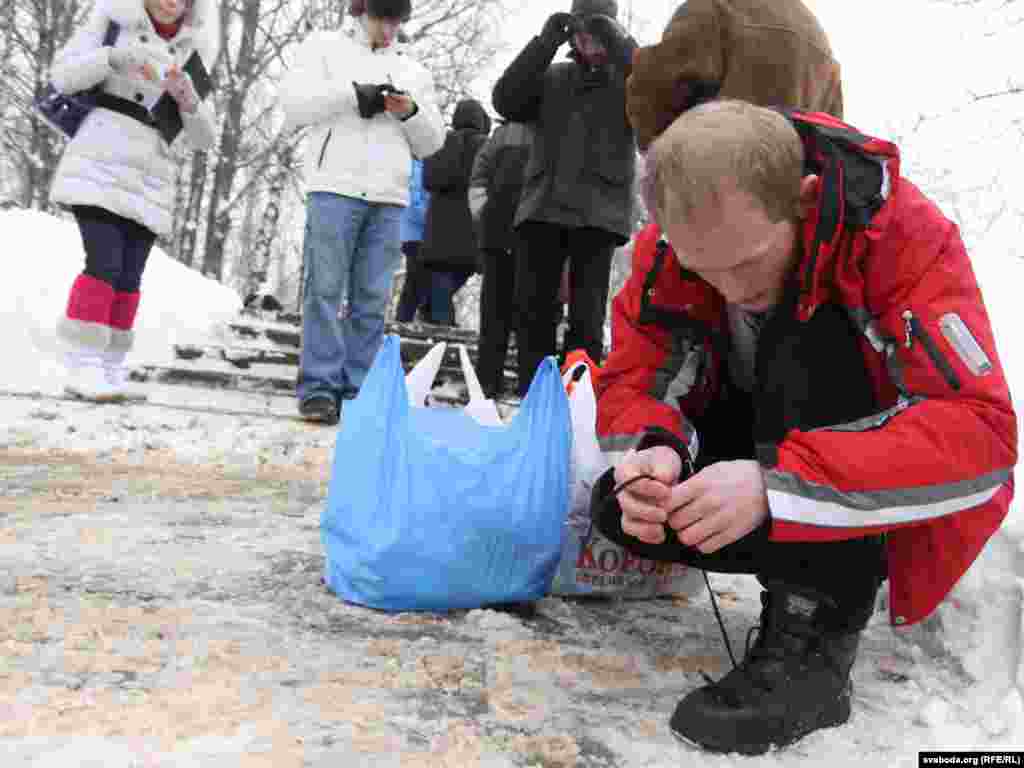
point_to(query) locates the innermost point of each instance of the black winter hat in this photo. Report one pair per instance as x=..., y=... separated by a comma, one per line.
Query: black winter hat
x=595, y=8
x=389, y=9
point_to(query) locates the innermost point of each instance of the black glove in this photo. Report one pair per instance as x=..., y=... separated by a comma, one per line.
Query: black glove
x=559, y=28
x=370, y=99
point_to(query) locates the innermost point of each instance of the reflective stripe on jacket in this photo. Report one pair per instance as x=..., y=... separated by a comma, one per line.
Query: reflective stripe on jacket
x=933, y=468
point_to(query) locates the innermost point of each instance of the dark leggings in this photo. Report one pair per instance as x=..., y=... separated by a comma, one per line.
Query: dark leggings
x=542, y=251
x=116, y=248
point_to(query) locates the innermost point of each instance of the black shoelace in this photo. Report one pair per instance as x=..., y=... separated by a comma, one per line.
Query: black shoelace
x=714, y=603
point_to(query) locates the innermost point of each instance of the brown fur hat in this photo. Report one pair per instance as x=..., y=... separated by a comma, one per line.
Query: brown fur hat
x=768, y=52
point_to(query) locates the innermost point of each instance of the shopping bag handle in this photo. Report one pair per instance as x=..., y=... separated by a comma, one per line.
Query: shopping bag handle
x=476, y=392
x=420, y=380
x=575, y=360
x=482, y=410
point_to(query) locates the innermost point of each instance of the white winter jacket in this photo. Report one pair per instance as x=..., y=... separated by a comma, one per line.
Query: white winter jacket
x=114, y=161
x=345, y=153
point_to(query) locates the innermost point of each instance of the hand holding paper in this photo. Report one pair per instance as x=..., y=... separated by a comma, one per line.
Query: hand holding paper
x=179, y=85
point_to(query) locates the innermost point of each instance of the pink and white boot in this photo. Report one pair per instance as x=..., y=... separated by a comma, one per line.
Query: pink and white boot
x=122, y=338
x=116, y=372
x=85, y=333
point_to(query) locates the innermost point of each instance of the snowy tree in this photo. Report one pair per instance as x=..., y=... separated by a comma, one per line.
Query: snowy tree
x=255, y=33
x=955, y=146
x=33, y=32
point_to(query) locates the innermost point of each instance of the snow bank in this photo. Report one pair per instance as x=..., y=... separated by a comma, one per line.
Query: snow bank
x=979, y=628
x=44, y=254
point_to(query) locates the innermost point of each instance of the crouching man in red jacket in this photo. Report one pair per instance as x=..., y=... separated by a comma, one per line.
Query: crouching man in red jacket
x=804, y=385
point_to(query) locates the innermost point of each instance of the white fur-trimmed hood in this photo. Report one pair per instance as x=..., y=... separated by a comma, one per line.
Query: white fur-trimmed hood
x=203, y=18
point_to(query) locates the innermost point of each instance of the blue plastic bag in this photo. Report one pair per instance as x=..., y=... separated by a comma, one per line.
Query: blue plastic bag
x=429, y=510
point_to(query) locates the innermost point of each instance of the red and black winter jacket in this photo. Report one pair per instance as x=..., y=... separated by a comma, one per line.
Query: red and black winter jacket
x=931, y=465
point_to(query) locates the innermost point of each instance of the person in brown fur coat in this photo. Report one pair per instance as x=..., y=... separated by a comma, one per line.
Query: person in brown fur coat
x=767, y=52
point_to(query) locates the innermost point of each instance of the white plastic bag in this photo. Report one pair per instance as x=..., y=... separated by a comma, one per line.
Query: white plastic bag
x=420, y=380
x=591, y=564
x=588, y=462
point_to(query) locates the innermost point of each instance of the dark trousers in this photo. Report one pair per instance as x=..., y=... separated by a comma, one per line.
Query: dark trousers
x=444, y=284
x=116, y=248
x=427, y=289
x=497, y=318
x=543, y=250
x=849, y=572
x=415, y=287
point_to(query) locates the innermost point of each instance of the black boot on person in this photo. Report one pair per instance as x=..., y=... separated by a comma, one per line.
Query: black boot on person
x=794, y=680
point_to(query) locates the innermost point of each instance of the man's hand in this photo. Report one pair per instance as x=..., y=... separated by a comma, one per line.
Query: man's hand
x=719, y=505
x=400, y=105
x=179, y=85
x=645, y=503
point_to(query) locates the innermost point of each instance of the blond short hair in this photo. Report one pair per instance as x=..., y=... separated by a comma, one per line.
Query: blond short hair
x=725, y=144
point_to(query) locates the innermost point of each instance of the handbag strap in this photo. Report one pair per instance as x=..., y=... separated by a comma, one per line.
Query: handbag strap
x=113, y=30
x=125, y=107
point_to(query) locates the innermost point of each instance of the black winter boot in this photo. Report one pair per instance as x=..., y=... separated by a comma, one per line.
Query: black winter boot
x=320, y=408
x=794, y=680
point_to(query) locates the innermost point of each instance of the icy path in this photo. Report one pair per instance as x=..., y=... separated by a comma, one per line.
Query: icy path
x=160, y=605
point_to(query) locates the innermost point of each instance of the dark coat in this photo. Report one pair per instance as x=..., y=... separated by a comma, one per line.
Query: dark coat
x=449, y=241
x=498, y=179
x=583, y=162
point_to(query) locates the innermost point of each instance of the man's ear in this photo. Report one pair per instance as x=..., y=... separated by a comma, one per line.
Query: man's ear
x=809, y=186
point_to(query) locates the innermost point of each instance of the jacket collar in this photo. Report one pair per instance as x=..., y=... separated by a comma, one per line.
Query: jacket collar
x=857, y=174
x=201, y=23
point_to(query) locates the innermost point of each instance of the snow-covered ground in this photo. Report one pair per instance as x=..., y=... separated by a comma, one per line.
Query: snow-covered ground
x=954, y=682
x=44, y=255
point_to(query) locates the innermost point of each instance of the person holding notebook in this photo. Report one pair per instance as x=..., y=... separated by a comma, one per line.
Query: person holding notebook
x=117, y=171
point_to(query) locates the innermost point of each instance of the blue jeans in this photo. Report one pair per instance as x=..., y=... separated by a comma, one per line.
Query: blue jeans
x=351, y=251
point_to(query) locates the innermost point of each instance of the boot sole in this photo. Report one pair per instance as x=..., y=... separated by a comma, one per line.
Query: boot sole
x=112, y=399
x=319, y=420
x=832, y=719
x=328, y=417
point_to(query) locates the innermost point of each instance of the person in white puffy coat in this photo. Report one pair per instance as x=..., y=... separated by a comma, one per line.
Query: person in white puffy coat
x=117, y=172
x=357, y=166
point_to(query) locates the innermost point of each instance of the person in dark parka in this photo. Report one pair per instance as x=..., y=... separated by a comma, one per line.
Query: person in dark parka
x=449, y=243
x=494, y=191
x=577, y=195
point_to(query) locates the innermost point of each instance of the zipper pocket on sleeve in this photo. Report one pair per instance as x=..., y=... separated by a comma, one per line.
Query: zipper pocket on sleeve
x=323, y=149
x=914, y=328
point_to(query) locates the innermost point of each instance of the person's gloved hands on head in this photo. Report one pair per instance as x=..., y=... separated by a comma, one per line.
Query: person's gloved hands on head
x=559, y=28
